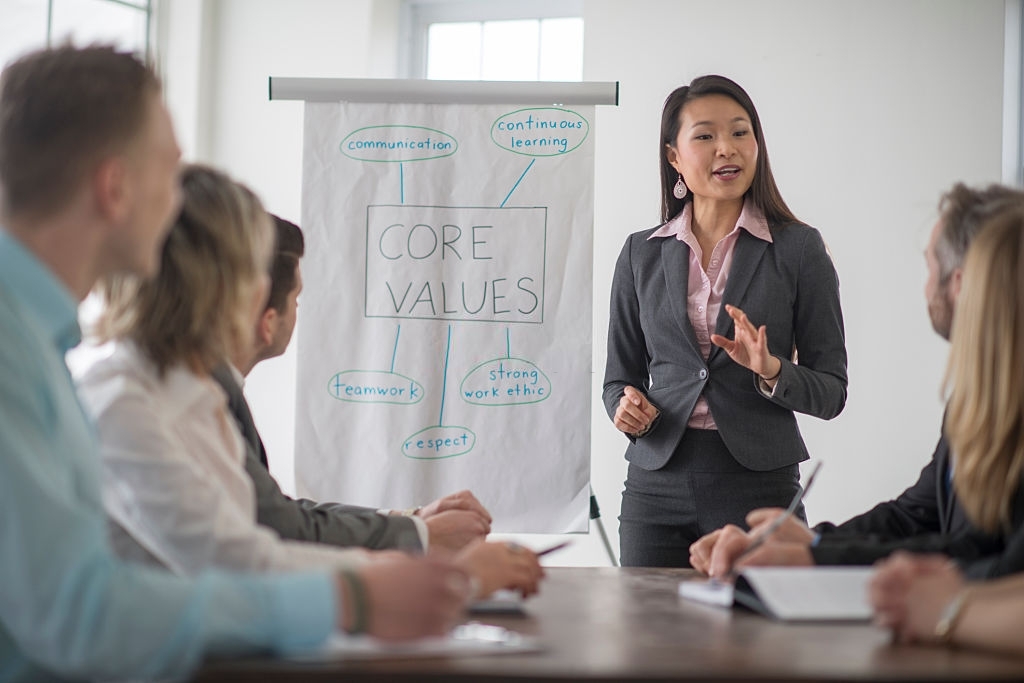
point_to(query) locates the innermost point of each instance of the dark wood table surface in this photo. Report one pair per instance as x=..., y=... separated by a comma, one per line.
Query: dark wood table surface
x=628, y=624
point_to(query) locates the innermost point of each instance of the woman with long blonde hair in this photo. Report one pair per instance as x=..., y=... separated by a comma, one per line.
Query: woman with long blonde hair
x=985, y=377
x=925, y=597
x=175, y=486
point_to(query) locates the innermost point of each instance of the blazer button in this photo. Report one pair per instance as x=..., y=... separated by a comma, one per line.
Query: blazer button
x=703, y=373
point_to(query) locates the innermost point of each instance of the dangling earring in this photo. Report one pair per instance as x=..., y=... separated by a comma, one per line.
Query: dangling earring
x=679, y=190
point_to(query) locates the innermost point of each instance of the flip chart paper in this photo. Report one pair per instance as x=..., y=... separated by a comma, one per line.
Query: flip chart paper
x=444, y=337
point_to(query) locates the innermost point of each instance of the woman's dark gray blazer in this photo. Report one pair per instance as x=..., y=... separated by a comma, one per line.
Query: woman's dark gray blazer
x=789, y=285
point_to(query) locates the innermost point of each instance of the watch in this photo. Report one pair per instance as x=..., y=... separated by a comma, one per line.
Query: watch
x=949, y=616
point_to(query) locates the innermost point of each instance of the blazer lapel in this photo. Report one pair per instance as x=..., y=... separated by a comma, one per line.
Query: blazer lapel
x=240, y=411
x=746, y=255
x=675, y=259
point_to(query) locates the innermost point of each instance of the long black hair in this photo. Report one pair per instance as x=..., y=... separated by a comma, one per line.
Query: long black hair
x=763, y=191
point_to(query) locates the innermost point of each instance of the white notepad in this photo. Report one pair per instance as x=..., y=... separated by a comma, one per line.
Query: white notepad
x=791, y=593
x=470, y=639
x=499, y=602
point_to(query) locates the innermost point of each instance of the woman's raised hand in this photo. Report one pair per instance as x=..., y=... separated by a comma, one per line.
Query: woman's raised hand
x=749, y=347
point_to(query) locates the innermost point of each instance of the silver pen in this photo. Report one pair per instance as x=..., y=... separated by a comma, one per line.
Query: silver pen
x=779, y=521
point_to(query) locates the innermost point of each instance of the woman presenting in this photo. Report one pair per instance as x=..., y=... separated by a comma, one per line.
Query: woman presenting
x=725, y=319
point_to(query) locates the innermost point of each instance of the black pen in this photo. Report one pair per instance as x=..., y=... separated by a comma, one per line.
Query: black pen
x=557, y=546
x=760, y=539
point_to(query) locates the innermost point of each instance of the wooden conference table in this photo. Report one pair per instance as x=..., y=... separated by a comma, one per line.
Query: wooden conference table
x=628, y=624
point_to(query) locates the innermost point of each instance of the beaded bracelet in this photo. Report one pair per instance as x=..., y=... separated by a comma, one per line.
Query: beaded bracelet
x=357, y=594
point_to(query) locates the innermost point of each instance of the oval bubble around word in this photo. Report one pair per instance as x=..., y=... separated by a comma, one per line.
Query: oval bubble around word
x=437, y=442
x=374, y=386
x=540, y=131
x=398, y=143
x=505, y=382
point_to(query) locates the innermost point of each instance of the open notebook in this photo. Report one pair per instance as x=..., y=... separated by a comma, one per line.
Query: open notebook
x=791, y=593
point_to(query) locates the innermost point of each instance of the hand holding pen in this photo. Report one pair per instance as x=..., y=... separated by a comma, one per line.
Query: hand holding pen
x=733, y=545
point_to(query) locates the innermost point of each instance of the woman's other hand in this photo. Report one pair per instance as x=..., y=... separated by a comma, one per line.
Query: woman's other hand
x=635, y=413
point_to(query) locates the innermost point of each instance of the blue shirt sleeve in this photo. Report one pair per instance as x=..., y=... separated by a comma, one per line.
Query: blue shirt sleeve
x=67, y=605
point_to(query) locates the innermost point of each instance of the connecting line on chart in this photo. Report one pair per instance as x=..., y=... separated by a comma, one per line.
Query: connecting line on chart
x=508, y=342
x=394, y=353
x=401, y=182
x=532, y=162
x=444, y=381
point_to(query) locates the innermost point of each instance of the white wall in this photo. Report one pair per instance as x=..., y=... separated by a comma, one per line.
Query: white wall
x=870, y=108
x=219, y=55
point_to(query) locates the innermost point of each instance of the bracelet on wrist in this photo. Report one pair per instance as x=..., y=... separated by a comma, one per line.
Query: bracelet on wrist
x=949, y=616
x=358, y=602
x=649, y=427
x=773, y=377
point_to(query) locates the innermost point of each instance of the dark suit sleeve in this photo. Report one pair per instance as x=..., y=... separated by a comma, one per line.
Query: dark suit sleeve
x=860, y=550
x=978, y=554
x=1007, y=560
x=306, y=520
x=913, y=512
x=340, y=525
x=913, y=523
x=627, y=360
x=985, y=556
x=816, y=384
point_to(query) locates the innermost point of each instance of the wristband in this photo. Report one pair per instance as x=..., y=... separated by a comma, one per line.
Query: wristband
x=773, y=377
x=949, y=616
x=357, y=596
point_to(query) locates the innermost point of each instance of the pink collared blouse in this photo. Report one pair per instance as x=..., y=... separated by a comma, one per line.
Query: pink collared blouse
x=705, y=288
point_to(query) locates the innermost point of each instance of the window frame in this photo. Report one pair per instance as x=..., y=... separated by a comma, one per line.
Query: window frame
x=145, y=6
x=417, y=15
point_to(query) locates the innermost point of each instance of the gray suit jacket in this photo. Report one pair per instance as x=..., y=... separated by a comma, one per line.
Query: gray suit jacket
x=306, y=520
x=789, y=285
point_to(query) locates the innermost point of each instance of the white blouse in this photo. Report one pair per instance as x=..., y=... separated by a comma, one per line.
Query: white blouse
x=175, y=487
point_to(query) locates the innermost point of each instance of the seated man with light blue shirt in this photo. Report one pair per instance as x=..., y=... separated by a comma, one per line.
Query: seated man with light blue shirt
x=88, y=184
x=928, y=516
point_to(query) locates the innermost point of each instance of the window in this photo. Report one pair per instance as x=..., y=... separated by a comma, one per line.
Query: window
x=27, y=25
x=478, y=40
x=31, y=24
x=1013, y=95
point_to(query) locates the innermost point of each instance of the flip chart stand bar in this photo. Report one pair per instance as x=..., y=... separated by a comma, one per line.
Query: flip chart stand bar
x=422, y=91
x=595, y=514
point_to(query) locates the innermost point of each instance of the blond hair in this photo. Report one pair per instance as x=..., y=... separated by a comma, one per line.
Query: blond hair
x=985, y=375
x=197, y=309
